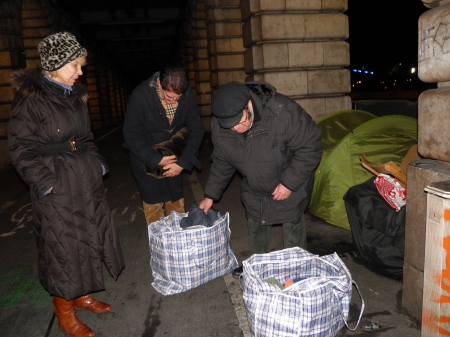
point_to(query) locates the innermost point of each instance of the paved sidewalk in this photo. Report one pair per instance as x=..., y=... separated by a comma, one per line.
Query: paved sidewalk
x=214, y=309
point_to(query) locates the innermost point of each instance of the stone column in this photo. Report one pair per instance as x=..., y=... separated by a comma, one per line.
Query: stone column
x=186, y=46
x=90, y=80
x=299, y=47
x=36, y=24
x=101, y=66
x=225, y=42
x=111, y=95
x=433, y=144
x=11, y=57
x=118, y=118
x=121, y=98
x=201, y=62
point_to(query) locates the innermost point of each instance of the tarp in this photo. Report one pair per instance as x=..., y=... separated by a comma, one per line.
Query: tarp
x=378, y=231
x=379, y=139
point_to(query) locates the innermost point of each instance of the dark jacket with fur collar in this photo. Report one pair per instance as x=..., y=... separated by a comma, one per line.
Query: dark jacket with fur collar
x=73, y=226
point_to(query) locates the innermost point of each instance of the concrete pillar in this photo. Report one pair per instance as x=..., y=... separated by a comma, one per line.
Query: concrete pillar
x=420, y=174
x=433, y=140
x=299, y=47
x=11, y=57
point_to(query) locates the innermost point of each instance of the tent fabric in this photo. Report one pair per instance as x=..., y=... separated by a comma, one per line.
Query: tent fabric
x=337, y=125
x=378, y=231
x=379, y=140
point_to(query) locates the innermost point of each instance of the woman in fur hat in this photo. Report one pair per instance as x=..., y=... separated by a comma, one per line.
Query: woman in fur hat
x=53, y=150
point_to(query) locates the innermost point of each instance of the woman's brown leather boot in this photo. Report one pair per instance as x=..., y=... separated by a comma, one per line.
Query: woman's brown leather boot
x=67, y=321
x=88, y=303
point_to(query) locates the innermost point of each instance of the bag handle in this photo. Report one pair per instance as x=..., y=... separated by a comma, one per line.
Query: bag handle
x=360, y=314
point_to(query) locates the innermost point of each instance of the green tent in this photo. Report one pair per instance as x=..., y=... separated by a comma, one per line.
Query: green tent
x=346, y=136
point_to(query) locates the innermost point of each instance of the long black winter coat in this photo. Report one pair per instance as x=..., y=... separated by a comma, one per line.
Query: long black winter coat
x=73, y=226
x=145, y=125
x=285, y=147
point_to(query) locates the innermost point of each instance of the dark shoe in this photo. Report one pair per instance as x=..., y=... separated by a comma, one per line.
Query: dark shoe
x=88, y=303
x=237, y=272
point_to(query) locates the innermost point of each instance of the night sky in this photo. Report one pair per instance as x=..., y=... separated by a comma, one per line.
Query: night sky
x=383, y=33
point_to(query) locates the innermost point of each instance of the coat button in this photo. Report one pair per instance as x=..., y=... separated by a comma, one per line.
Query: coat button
x=264, y=221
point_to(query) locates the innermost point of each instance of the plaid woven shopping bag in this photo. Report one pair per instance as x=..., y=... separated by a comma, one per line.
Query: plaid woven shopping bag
x=185, y=259
x=317, y=304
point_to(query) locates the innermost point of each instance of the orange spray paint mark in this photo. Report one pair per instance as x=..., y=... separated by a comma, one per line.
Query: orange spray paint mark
x=444, y=299
x=445, y=282
x=430, y=320
x=447, y=214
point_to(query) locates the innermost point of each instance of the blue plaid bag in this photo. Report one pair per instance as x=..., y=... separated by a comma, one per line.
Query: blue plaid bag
x=317, y=304
x=185, y=259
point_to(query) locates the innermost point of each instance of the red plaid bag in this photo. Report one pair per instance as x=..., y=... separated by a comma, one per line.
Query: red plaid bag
x=391, y=191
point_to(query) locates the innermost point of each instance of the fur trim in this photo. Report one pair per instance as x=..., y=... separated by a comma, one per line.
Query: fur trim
x=31, y=84
x=27, y=83
x=173, y=146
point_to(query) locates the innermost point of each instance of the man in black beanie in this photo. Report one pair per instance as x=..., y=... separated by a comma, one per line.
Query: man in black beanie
x=276, y=146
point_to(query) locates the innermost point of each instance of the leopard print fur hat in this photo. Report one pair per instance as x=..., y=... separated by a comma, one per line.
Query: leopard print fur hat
x=58, y=49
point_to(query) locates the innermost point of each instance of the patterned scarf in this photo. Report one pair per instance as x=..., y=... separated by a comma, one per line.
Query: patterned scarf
x=170, y=108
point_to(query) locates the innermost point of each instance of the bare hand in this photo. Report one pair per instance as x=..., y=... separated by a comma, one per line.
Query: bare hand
x=172, y=170
x=281, y=193
x=205, y=205
x=167, y=160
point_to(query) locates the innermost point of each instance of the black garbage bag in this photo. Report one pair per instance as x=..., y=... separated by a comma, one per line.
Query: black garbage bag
x=378, y=230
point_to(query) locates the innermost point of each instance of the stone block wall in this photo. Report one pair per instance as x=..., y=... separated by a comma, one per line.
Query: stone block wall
x=299, y=47
x=11, y=56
